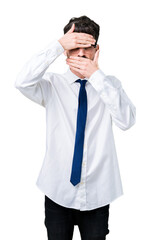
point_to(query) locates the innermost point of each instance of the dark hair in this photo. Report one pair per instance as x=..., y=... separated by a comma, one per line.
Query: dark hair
x=85, y=25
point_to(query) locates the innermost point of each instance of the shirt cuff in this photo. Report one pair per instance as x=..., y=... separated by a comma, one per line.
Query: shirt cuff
x=53, y=49
x=97, y=80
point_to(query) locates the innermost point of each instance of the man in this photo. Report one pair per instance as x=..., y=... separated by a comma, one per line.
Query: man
x=80, y=173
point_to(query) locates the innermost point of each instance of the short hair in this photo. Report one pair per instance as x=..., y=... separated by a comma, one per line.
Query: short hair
x=85, y=25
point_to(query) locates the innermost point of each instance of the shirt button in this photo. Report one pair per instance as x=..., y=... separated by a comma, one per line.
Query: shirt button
x=81, y=182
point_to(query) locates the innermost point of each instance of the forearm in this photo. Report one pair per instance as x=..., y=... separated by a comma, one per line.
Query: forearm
x=122, y=110
x=30, y=81
x=34, y=69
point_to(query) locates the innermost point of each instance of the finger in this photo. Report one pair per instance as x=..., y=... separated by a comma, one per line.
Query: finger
x=76, y=46
x=76, y=69
x=80, y=59
x=84, y=35
x=75, y=65
x=84, y=38
x=86, y=45
x=74, y=61
x=72, y=28
x=85, y=41
x=96, y=56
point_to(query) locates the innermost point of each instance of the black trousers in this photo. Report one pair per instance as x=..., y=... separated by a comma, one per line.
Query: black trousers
x=60, y=221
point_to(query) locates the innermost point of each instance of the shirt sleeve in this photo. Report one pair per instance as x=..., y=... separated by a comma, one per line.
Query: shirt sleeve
x=121, y=109
x=30, y=81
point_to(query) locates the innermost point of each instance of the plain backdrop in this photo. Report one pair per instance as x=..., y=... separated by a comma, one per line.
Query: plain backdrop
x=27, y=26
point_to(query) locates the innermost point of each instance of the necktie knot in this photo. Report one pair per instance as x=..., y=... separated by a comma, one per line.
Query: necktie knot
x=82, y=82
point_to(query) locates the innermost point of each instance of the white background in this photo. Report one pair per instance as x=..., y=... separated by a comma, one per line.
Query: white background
x=27, y=26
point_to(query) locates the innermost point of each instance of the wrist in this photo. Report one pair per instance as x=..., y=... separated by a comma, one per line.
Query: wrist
x=61, y=42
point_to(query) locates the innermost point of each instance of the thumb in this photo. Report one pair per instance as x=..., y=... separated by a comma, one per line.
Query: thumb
x=96, y=56
x=72, y=28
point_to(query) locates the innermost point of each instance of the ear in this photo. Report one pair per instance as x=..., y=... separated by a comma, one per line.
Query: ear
x=96, y=55
x=97, y=47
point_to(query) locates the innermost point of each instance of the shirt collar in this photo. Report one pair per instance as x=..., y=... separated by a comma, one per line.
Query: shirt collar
x=71, y=77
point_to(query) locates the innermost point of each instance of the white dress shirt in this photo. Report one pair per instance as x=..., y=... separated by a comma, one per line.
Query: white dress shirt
x=107, y=101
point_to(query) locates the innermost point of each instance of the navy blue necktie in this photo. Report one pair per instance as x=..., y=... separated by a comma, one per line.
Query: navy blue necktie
x=79, y=140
